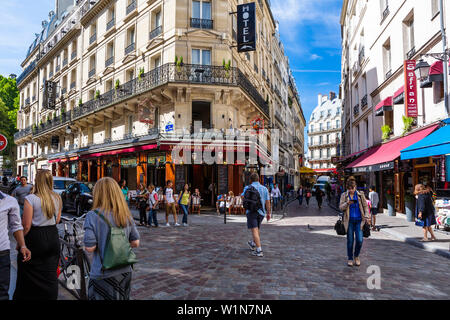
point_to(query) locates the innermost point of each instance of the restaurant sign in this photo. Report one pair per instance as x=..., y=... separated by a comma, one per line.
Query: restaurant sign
x=128, y=163
x=156, y=160
x=411, y=104
x=375, y=167
x=246, y=34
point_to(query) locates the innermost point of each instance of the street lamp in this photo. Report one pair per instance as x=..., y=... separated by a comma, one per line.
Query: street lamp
x=422, y=69
x=68, y=130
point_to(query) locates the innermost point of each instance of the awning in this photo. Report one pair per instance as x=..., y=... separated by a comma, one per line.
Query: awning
x=330, y=170
x=436, y=144
x=120, y=151
x=382, y=157
x=385, y=105
x=436, y=72
x=426, y=83
x=306, y=170
x=399, y=96
x=354, y=154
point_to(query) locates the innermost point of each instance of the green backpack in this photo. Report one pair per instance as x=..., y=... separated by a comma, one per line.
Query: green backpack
x=118, y=252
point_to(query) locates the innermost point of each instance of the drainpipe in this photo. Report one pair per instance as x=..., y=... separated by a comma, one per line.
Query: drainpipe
x=445, y=56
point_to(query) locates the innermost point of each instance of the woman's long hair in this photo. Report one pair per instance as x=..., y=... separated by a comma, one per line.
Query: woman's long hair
x=419, y=189
x=108, y=197
x=43, y=188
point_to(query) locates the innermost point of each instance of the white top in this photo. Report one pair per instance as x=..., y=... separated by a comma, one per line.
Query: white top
x=169, y=195
x=39, y=218
x=374, y=199
x=276, y=193
x=151, y=198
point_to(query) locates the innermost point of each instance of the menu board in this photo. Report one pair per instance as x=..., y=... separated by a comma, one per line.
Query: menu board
x=180, y=178
x=222, y=177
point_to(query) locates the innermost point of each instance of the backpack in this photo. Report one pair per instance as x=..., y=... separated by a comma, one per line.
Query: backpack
x=252, y=200
x=118, y=252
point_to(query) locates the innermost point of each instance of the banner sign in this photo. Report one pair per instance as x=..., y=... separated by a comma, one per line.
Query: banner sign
x=146, y=112
x=246, y=34
x=49, y=94
x=411, y=105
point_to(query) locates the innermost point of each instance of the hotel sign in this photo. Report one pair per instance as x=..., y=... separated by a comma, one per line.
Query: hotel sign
x=411, y=105
x=49, y=95
x=246, y=34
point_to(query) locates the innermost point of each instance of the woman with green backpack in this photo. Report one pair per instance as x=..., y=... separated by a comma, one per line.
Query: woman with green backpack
x=110, y=233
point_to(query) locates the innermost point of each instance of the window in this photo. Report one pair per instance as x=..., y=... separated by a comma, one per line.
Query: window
x=356, y=95
x=328, y=125
x=130, y=75
x=130, y=124
x=108, y=85
x=438, y=91
x=320, y=154
x=157, y=19
x=358, y=141
x=338, y=123
x=367, y=132
x=408, y=37
x=130, y=36
x=321, y=126
x=201, y=10
x=387, y=58
x=434, y=7
x=328, y=138
x=328, y=152
x=201, y=56
x=321, y=140
x=109, y=54
x=157, y=62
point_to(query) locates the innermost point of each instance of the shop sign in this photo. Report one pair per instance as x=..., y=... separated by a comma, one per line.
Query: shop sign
x=410, y=89
x=169, y=127
x=156, y=160
x=49, y=94
x=146, y=112
x=376, y=167
x=442, y=161
x=128, y=163
x=246, y=27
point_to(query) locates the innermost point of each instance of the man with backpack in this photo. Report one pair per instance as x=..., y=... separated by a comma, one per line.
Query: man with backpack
x=257, y=204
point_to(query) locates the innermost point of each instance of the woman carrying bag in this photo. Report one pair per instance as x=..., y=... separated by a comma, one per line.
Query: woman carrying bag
x=142, y=205
x=425, y=211
x=356, y=215
x=110, y=275
x=183, y=200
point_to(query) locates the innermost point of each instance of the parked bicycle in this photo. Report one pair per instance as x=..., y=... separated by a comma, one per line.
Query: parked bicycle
x=74, y=264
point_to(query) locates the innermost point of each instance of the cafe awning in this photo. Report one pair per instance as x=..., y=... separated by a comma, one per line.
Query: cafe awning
x=436, y=72
x=306, y=170
x=385, y=105
x=382, y=157
x=436, y=144
x=399, y=96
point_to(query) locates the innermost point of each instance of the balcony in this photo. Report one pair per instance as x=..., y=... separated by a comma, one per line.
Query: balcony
x=411, y=53
x=131, y=7
x=201, y=23
x=109, y=62
x=26, y=72
x=72, y=85
x=93, y=38
x=110, y=24
x=361, y=55
x=65, y=62
x=130, y=48
x=27, y=101
x=356, y=110
x=73, y=55
x=22, y=133
x=385, y=13
x=364, y=102
x=155, y=32
x=388, y=74
x=91, y=73
x=165, y=74
x=57, y=69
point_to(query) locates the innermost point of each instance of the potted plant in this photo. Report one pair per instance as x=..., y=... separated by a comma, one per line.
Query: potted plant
x=386, y=130
x=80, y=102
x=409, y=206
x=179, y=63
x=408, y=123
x=49, y=119
x=41, y=123
x=390, y=203
x=34, y=128
x=141, y=73
x=227, y=67
x=97, y=95
x=63, y=114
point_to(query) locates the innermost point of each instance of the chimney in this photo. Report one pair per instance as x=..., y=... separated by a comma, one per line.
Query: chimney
x=57, y=8
x=332, y=95
x=319, y=100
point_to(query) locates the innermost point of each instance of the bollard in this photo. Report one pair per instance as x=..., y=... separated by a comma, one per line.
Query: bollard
x=225, y=217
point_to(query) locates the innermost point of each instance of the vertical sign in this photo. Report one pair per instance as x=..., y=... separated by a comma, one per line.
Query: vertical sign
x=147, y=112
x=49, y=95
x=410, y=89
x=246, y=24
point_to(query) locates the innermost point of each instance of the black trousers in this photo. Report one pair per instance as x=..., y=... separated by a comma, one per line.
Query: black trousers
x=5, y=270
x=142, y=212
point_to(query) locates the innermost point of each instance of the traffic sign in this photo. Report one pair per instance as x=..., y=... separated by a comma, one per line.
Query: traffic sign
x=3, y=142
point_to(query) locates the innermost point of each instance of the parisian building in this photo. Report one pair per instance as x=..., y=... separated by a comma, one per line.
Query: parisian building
x=131, y=78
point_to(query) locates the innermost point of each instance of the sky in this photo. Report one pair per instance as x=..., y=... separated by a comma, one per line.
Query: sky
x=309, y=29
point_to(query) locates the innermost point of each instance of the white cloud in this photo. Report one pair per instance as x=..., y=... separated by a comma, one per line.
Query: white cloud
x=315, y=57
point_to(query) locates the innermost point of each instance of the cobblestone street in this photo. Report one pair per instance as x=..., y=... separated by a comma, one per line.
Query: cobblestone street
x=303, y=259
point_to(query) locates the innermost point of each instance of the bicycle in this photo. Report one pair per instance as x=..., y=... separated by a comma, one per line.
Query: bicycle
x=73, y=259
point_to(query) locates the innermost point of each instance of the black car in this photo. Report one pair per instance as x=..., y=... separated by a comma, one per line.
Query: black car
x=78, y=197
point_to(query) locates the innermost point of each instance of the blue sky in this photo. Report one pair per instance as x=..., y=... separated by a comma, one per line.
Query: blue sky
x=309, y=29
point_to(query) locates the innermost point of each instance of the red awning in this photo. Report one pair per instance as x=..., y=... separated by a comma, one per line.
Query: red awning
x=399, y=92
x=385, y=105
x=436, y=72
x=390, y=151
x=399, y=96
x=114, y=152
x=332, y=170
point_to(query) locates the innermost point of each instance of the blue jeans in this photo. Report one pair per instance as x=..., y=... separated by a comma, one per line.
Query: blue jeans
x=185, y=212
x=152, y=217
x=300, y=200
x=354, y=231
x=21, y=210
x=275, y=202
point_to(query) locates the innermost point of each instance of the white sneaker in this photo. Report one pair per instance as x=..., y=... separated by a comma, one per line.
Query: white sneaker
x=177, y=224
x=185, y=225
x=167, y=224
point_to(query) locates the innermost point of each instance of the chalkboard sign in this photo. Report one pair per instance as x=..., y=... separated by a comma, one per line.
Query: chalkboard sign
x=180, y=178
x=222, y=178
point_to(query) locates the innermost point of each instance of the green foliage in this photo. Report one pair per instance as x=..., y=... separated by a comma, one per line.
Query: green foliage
x=141, y=73
x=80, y=102
x=9, y=106
x=407, y=122
x=97, y=94
x=117, y=85
x=386, y=130
x=227, y=67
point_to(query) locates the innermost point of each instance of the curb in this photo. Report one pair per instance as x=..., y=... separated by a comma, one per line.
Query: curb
x=417, y=243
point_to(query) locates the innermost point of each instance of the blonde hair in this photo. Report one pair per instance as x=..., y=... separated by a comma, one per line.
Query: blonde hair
x=108, y=197
x=151, y=187
x=419, y=189
x=43, y=188
x=231, y=194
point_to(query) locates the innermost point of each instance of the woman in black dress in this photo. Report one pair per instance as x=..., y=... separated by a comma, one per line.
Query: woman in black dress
x=319, y=196
x=425, y=211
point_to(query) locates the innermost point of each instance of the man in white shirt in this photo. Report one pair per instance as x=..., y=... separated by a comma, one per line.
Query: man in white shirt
x=152, y=203
x=276, y=194
x=374, y=200
x=170, y=204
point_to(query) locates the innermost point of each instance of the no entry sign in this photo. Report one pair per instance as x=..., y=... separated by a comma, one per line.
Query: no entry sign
x=3, y=142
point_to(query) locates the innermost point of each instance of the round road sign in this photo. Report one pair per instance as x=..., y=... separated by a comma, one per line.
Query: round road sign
x=3, y=142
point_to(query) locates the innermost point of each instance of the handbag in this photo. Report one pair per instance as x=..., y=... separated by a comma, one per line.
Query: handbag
x=366, y=230
x=420, y=222
x=118, y=252
x=340, y=228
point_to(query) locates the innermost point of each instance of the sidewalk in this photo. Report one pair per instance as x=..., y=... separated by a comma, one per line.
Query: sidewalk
x=408, y=232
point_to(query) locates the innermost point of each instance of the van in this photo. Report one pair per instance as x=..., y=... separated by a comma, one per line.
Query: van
x=323, y=179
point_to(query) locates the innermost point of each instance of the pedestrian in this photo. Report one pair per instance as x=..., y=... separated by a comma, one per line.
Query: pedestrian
x=124, y=188
x=37, y=278
x=170, y=204
x=153, y=202
x=10, y=222
x=356, y=213
x=300, y=192
x=425, y=211
x=256, y=211
x=221, y=203
x=196, y=201
x=276, y=194
x=5, y=180
x=23, y=190
x=184, y=200
x=229, y=201
x=319, y=196
x=109, y=210
x=374, y=200
x=308, y=196
x=142, y=198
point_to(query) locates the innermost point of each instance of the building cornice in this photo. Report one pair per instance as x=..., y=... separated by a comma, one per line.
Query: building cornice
x=94, y=11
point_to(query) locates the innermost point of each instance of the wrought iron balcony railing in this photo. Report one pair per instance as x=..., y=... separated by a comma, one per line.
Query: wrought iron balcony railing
x=202, y=23
x=364, y=102
x=131, y=7
x=167, y=73
x=130, y=48
x=109, y=62
x=91, y=73
x=356, y=109
x=26, y=72
x=74, y=55
x=411, y=53
x=155, y=32
x=22, y=133
x=385, y=13
x=110, y=24
x=93, y=38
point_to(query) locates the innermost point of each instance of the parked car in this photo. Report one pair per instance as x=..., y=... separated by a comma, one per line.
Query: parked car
x=78, y=197
x=61, y=183
x=321, y=186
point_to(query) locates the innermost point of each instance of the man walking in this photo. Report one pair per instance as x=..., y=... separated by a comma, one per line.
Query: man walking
x=276, y=195
x=9, y=222
x=21, y=192
x=300, y=195
x=257, y=204
x=374, y=200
